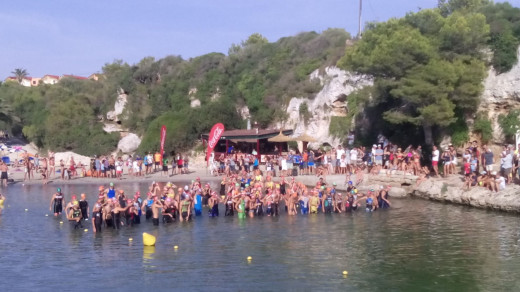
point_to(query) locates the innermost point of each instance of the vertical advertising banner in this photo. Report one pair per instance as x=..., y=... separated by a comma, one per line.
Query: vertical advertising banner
x=214, y=136
x=163, y=138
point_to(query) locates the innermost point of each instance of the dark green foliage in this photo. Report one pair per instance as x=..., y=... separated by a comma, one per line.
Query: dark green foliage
x=259, y=74
x=459, y=132
x=339, y=126
x=483, y=127
x=427, y=66
x=504, y=22
x=510, y=124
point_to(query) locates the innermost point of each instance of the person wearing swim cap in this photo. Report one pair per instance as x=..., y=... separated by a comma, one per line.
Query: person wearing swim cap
x=74, y=215
x=97, y=218
x=83, y=206
x=111, y=193
x=57, y=202
x=197, y=206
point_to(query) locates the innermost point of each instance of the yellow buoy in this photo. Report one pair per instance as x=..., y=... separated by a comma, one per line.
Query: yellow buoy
x=249, y=258
x=86, y=230
x=61, y=222
x=345, y=273
x=175, y=247
x=130, y=239
x=148, y=239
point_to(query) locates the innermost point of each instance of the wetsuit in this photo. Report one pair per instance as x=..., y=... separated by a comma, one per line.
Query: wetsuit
x=259, y=207
x=83, y=206
x=214, y=210
x=97, y=220
x=117, y=220
x=137, y=205
x=75, y=214
x=58, y=203
x=382, y=203
x=229, y=207
x=328, y=204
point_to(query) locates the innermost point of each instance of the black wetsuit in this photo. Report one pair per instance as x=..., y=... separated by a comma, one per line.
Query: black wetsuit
x=58, y=203
x=97, y=220
x=83, y=206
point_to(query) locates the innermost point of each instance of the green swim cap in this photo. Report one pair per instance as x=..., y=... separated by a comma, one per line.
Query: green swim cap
x=111, y=184
x=334, y=184
x=58, y=190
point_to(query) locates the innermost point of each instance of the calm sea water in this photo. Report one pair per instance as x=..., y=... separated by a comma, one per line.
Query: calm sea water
x=415, y=246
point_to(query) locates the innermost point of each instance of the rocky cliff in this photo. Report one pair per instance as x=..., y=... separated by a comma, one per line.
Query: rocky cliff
x=330, y=101
x=501, y=94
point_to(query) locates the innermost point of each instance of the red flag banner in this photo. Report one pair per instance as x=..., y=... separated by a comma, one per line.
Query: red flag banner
x=163, y=138
x=214, y=136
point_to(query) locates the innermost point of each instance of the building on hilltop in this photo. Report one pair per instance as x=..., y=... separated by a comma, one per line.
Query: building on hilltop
x=50, y=79
x=96, y=76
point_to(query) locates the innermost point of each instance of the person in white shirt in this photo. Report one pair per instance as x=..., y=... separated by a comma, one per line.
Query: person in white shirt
x=339, y=152
x=353, y=156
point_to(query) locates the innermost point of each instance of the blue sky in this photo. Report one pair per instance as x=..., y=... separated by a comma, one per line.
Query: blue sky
x=79, y=37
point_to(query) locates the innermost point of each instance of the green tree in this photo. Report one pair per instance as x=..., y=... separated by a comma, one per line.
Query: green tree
x=424, y=96
x=255, y=39
x=510, y=124
x=20, y=74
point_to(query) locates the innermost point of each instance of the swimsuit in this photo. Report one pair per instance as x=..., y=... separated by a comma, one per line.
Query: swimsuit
x=58, y=199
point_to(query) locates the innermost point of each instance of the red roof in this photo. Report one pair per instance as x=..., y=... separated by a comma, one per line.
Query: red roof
x=251, y=134
x=75, y=77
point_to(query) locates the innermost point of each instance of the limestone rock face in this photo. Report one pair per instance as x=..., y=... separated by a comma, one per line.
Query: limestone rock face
x=330, y=101
x=129, y=143
x=501, y=94
x=85, y=160
x=445, y=191
x=119, y=107
x=195, y=103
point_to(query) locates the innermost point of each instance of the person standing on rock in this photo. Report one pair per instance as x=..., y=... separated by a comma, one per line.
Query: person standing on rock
x=435, y=160
x=488, y=160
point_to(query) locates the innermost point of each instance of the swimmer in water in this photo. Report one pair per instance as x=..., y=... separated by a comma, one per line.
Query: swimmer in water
x=57, y=200
x=74, y=215
x=97, y=218
x=2, y=201
x=83, y=206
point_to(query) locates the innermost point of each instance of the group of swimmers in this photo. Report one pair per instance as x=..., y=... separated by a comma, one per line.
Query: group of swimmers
x=241, y=194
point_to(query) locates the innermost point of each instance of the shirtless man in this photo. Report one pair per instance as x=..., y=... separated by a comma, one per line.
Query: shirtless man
x=52, y=169
x=156, y=206
x=112, y=166
x=28, y=167
x=3, y=176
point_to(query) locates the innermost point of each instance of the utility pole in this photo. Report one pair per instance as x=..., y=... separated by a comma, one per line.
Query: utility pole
x=359, y=24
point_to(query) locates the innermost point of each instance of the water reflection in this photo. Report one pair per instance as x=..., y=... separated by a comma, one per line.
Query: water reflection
x=417, y=245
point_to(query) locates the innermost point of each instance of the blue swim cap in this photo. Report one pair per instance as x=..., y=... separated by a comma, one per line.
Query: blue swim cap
x=350, y=182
